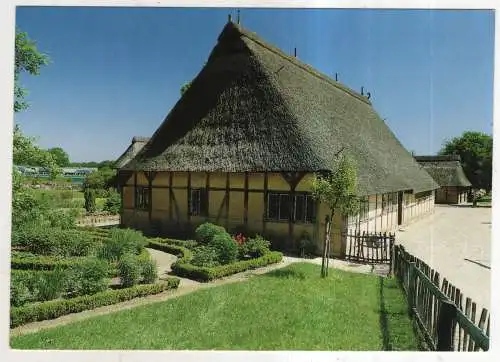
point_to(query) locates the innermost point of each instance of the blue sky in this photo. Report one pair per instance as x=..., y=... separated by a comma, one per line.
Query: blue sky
x=116, y=72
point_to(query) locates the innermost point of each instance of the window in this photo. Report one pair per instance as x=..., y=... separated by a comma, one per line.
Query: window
x=279, y=207
x=364, y=207
x=198, y=205
x=142, y=197
x=305, y=208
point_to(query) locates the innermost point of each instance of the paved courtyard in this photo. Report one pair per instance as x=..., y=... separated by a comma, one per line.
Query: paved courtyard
x=455, y=241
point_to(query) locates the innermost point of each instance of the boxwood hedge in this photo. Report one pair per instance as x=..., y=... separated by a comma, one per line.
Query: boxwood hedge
x=183, y=268
x=57, y=308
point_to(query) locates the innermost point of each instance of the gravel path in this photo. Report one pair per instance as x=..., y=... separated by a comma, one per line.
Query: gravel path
x=456, y=241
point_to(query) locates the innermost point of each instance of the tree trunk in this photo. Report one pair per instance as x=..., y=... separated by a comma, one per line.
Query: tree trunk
x=326, y=248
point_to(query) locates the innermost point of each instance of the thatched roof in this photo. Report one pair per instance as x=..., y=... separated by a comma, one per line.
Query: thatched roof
x=445, y=170
x=131, y=151
x=254, y=108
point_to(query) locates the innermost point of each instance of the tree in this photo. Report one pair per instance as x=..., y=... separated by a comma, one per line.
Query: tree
x=476, y=151
x=337, y=190
x=60, y=156
x=25, y=152
x=27, y=59
x=89, y=195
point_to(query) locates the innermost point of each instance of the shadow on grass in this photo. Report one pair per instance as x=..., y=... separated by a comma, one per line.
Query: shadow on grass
x=285, y=273
x=383, y=319
x=398, y=332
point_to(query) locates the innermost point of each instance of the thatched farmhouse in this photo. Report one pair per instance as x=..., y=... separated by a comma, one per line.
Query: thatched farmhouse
x=241, y=147
x=448, y=173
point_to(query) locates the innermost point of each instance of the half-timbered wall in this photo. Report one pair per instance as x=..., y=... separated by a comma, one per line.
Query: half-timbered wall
x=239, y=201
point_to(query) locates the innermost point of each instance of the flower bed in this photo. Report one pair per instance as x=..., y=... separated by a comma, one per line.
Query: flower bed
x=184, y=266
x=57, y=308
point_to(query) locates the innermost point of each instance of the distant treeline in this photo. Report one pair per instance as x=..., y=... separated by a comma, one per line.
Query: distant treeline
x=102, y=164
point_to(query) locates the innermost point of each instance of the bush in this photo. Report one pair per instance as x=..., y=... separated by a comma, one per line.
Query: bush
x=88, y=277
x=121, y=242
x=207, y=231
x=42, y=240
x=205, y=256
x=28, y=261
x=256, y=247
x=56, y=308
x=190, y=244
x=306, y=246
x=33, y=286
x=90, y=196
x=50, y=286
x=205, y=274
x=148, y=269
x=19, y=290
x=225, y=247
x=129, y=270
x=185, y=255
x=113, y=202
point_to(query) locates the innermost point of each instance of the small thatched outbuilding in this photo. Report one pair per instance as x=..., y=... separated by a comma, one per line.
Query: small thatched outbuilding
x=241, y=147
x=136, y=145
x=447, y=171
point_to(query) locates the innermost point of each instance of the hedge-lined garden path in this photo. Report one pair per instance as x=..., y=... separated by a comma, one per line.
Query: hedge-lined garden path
x=186, y=286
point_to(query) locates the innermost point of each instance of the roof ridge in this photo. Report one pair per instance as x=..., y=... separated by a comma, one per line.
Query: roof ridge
x=253, y=36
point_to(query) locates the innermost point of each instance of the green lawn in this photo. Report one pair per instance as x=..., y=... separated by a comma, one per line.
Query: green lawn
x=288, y=309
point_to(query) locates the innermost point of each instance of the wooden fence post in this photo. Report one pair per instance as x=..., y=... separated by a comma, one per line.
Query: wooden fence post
x=392, y=255
x=412, y=278
x=446, y=319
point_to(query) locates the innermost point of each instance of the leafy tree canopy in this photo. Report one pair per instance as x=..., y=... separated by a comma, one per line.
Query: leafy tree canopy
x=27, y=59
x=476, y=152
x=27, y=153
x=60, y=156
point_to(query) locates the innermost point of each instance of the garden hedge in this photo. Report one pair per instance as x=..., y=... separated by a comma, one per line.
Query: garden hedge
x=183, y=268
x=43, y=262
x=57, y=308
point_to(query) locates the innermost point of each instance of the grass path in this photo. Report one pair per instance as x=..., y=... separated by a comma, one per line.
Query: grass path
x=286, y=309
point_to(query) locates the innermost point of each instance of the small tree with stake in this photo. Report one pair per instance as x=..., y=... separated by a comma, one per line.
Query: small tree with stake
x=338, y=190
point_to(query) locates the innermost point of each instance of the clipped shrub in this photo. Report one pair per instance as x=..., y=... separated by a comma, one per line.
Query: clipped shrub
x=90, y=276
x=190, y=244
x=148, y=268
x=207, y=231
x=205, y=274
x=28, y=261
x=226, y=248
x=57, y=308
x=129, y=270
x=42, y=240
x=256, y=247
x=205, y=256
x=184, y=254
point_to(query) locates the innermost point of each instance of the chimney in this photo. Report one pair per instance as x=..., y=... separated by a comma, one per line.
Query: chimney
x=238, y=17
x=336, y=77
x=295, y=52
x=229, y=19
